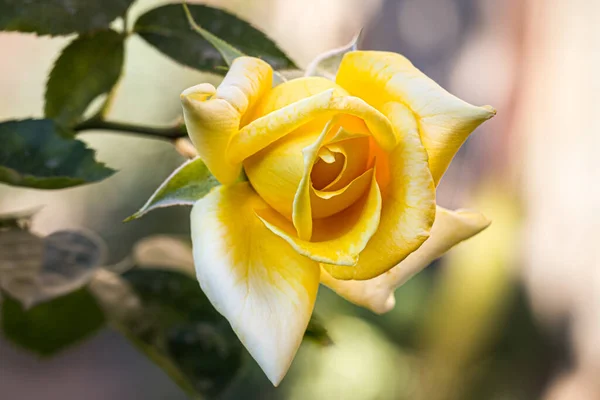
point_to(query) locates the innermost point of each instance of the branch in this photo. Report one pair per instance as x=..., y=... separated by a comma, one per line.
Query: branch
x=170, y=133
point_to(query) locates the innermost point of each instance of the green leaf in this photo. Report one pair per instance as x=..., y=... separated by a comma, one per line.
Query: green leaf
x=59, y=17
x=186, y=185
x=162, y=360
x=175, y=325
x=227, y=51
x=188, y=329
x=328, y=63
x=88, y=67
x=50, y=327
x=167, y=29
x=175, y=292
x=40, y=154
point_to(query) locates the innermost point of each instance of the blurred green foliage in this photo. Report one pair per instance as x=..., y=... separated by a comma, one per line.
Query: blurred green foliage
x=181, y=326
x=50, y=327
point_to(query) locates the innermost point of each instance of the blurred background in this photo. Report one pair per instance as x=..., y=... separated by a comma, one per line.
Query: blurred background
x=513, y=313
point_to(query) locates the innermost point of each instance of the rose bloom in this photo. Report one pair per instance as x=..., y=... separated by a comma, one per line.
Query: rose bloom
x=340, y=190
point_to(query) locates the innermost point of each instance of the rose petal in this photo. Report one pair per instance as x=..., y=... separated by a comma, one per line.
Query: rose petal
x=301, y=208
x=356, y=158
x=293, y=91
x=326, y=155
x=327, y=203
x=310, y=203
x=377, y=294
x=267, y=129
x=444, y=120
x=213, y=116
x=257, y=281
x=408, y=207
x=338, y=239
x=276, y=171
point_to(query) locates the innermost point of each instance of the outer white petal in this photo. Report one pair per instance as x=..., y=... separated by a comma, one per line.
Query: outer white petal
x=255, y=279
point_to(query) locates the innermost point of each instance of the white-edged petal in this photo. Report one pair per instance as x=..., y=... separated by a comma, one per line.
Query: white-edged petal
x=264, y=288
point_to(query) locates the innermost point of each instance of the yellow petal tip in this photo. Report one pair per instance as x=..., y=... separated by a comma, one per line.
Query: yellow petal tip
x=491, y=110
x=197, y=92
x=474, y=218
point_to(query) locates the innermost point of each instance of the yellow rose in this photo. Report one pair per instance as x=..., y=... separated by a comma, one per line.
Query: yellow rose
x=341, y=189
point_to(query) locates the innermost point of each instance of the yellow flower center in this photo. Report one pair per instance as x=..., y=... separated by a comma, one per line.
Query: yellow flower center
x=340, y=174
